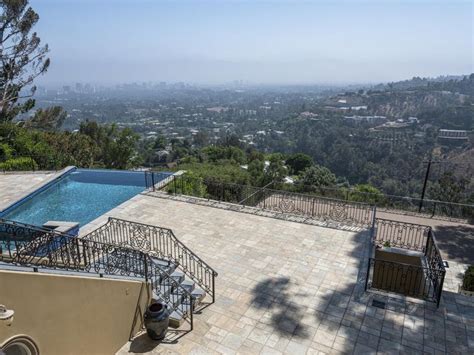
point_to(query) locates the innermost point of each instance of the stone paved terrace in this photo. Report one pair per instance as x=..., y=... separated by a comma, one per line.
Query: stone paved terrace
x=16, y=185
x=286, y=287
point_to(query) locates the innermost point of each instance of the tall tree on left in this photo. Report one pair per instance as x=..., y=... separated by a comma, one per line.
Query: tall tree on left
x=22, y=58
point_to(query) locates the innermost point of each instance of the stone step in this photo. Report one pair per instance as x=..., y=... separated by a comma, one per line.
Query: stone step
x=178, y=276
x=177, y=317
x=188, y=285
x=165, y=265
x=198, y=295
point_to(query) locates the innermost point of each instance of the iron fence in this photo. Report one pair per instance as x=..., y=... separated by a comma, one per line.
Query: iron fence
x=159, y=242
x=400, y=204
x=156, y=179
x=52, y=250
x=401, y=234
x=423, y=281
x=280, y=201
x=406, y=279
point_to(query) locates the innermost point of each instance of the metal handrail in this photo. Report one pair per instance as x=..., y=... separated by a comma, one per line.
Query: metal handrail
x=146, y=238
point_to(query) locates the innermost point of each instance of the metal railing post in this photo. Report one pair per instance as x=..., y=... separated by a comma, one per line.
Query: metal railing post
x=213, y=287
x=368, y=273
x=440, y=290
x=145, y=266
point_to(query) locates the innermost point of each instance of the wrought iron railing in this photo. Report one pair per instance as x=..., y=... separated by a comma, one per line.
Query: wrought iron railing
x=401, y=234
x=29, y=246
x=406, y=279
x=159, y=242
x=307, y=206
x=423, y=281
x=398, y=204
x=156, y=179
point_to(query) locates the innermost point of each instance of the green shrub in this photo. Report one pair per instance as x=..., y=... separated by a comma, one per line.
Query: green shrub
x=19, y=164
x=468, y=280
x=188, y=184
x=5, y=152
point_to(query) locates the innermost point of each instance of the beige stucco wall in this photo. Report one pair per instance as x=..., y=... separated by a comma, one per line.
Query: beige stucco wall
x=72, y=315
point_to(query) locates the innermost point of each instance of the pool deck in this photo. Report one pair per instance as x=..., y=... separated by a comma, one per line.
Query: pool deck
x=292, y=288
x=17, y=185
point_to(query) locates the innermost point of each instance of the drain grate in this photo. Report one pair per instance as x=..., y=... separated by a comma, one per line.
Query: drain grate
x=378, y=304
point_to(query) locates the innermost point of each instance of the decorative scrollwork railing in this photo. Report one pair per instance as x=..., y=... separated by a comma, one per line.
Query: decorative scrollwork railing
x=318, y=208
x=159, y=242
x=401, y=234
x=30, y=246
x=285, y=202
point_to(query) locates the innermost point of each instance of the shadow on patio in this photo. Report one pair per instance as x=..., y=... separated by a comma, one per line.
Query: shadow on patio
x=456, y=242
x=272, y=295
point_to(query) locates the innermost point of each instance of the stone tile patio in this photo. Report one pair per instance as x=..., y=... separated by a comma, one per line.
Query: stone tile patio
x=286, y=287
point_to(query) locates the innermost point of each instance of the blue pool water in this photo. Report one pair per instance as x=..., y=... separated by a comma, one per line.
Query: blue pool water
x=81, y=196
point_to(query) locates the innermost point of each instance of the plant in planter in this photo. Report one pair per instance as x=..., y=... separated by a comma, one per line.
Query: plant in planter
x=468, y=281
x=386, y=245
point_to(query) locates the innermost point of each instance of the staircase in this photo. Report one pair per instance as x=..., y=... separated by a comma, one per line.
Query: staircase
x=177, y=277
x=181, y=295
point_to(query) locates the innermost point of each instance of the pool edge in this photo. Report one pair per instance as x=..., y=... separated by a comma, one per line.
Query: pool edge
x=63, y=173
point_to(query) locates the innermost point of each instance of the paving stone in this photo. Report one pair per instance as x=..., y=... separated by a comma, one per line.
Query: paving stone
x=292, y=287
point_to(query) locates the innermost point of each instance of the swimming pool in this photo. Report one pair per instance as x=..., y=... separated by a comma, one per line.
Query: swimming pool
x=80, y=196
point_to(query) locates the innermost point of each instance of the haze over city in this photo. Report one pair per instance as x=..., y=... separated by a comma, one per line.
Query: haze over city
x=270, y=42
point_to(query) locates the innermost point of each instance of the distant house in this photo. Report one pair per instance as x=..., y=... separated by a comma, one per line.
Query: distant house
x=454, y=134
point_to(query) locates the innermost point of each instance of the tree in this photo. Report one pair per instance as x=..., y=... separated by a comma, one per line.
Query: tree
x=117, y=147
x=49, y=119
x=366, y=193
x=315, y=177
x=449, y=188
x=256, y=169
x=201, y=139
x=276, y=171
x=299, y=162
x=21, y=56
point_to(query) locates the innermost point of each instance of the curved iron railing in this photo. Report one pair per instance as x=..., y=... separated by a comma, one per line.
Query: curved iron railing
x=159, y=242
x=53, y=250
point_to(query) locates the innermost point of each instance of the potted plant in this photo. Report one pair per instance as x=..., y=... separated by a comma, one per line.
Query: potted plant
x=386, y=245
x=467, y=287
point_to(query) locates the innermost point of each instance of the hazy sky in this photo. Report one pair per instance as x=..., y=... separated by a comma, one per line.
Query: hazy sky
x=111, y=41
